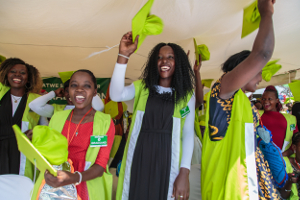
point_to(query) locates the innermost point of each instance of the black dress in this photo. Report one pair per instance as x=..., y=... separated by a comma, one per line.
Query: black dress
x=150, y=171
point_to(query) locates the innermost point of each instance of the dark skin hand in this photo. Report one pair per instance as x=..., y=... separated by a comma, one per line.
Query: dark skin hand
x=199, y=86
x=66, y=178
x=241, y=77
x=181, y=188
x=59, y=92
x=127, y=47
x=28, y=133
x=285, y=191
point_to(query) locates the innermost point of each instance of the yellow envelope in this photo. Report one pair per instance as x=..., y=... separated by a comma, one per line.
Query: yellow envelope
x=31, y=153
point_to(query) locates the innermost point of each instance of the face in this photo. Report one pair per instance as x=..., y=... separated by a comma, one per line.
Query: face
x=166, y=62
x=82, y=90
x=252, y=85
x=269, y=101
x=296, y=148
x=17, y=76
x=67, y=96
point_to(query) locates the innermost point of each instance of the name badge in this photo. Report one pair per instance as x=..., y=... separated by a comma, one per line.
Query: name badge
x=98, y=141
x=184, y=111
x=293, y=127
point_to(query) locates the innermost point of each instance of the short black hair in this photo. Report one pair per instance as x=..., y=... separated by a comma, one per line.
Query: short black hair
x=235, y=60
x=94, y=80
x=296, y=138
x=66, y=84
x=296, y=112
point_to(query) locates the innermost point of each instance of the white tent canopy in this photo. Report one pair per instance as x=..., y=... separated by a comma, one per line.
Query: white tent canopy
x=59, y=35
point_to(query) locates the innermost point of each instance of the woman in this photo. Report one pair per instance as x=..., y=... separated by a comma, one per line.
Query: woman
x=281, y=125
x=19, y=83
x=40, y=106
x=162, y=123
x=293, y=167
x=80, y=126
x=233, y=166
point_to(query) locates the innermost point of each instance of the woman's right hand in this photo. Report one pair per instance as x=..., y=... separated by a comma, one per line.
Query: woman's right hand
x=265, y=7
x=127, y=47
x=59, y=92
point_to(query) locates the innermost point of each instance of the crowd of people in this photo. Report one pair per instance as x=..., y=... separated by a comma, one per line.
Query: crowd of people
x=242, y=150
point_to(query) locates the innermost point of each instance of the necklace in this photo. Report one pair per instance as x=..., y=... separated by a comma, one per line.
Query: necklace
x=16, y=100
x=297, y=163
x=75, y=132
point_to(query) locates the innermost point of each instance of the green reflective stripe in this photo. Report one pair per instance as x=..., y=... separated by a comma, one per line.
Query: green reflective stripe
x=224, y=163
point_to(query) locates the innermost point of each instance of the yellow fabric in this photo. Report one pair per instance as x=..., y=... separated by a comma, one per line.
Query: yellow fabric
x=144, y=24
x=2, y=58
x=270, y=69
x=207, y=82
x=251, y=19
x=294, y=86
x=289, y=169
x=51, y=144
x=64, y=76
x=201, y=50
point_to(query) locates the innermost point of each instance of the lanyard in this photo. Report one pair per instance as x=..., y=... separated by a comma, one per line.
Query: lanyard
x=69, y=141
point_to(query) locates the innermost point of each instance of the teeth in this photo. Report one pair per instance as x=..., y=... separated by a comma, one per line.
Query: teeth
x=164, y=68
x=79, y=97
x=17, y=80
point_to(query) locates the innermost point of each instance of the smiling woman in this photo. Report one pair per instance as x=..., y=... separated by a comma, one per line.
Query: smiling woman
x=82, y=126
x=158, y=152
x=18, y=82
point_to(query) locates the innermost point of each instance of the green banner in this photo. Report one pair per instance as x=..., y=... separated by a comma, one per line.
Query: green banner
x=53, y=83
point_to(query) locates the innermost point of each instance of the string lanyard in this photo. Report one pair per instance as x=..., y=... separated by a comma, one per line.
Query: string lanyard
x=69, y=141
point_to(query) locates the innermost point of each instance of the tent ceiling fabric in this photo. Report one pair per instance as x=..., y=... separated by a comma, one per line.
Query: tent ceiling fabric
x=59, y=35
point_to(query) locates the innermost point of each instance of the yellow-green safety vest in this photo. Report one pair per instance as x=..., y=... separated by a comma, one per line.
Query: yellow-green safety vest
x=291, y=125
x=139, y=106
x=99, y=188
x=228, y=166
x=289, y=169
x=29, y=121
x=58, y=107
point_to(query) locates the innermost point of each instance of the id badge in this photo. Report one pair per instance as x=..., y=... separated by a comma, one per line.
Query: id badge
x=292, y=127
x=98, y=141
x=184, y=111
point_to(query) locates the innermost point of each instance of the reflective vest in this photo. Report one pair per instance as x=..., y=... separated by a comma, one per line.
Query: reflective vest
x=141, y=96
x=29, y=120
x=289, y=169
x=99, y=188
x=58, y=107
x=291, y=126
x=228, y=168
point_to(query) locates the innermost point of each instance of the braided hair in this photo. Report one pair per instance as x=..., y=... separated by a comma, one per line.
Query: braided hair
x=271, y=88
x=34, y=83
x=183, y=80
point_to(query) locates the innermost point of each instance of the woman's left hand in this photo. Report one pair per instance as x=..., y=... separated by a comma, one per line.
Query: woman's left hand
x=62, y=178
x=181, y=187
x=28, y=133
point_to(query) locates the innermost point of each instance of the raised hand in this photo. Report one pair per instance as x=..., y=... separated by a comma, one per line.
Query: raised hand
x=59, y=92
x=63, y=178
x=197, y=67
x=127, y=47
x=265, y=7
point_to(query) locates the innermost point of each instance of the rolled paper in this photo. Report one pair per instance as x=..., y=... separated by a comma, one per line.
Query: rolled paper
x=144, y=24
x=270, y=70
x=207, y=82
x=201, y=50
x=295, y=86
x=251, y=19
x=51, y=144
x=64, y=76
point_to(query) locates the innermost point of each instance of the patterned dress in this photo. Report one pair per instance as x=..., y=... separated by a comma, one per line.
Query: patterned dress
x=220, y=114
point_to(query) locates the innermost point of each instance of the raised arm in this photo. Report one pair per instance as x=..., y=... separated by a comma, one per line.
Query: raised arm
x=199, y=87
x=40, y=106
x=97, y=103
x=262, y=51
x=118, y=92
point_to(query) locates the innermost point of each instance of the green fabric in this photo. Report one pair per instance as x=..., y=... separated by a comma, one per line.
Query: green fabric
x=270, y=69
x=289, y=169
x=207, y=82
x=294, y=86
x=251, y=19
x=144, y=24
x=201, y=50
x=101, y=187
x=64, y=76
x=51, y=144
x=224, y=170
x=2, y=58
x=58, y=107
x=197, y=125
x=289, y=100
x=140, y=100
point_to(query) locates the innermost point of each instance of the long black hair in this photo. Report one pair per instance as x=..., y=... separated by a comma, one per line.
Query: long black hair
x=183, y=80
